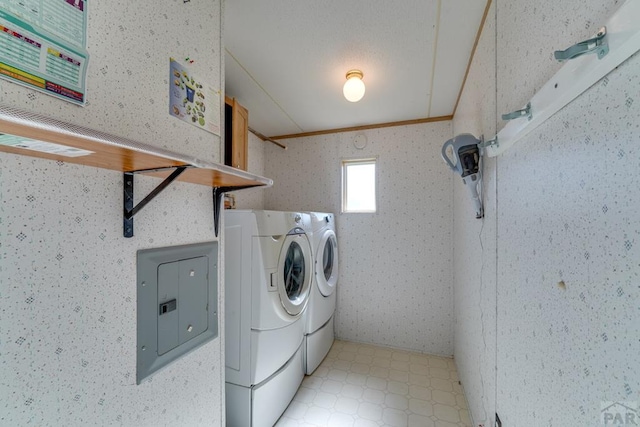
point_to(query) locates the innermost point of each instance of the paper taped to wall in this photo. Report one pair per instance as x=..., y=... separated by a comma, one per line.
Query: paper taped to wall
x=42, y=46
x=42, y=146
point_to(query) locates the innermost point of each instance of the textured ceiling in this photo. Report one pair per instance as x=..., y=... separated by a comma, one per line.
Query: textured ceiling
x=286, y=61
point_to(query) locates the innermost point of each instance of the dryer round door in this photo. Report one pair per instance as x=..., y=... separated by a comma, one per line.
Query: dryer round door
x=294, y=273
x=327, y=263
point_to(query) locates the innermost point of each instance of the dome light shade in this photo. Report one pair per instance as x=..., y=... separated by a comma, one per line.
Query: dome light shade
x=354, y=88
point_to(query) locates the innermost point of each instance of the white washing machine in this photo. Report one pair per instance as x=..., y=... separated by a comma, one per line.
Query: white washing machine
x=268, y=274
x=322, y=302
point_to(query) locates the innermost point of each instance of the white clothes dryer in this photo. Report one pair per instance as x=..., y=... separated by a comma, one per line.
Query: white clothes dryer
x=319, y=333
x=268, y=273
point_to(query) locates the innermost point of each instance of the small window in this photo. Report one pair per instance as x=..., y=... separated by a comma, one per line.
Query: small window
x=359, y=185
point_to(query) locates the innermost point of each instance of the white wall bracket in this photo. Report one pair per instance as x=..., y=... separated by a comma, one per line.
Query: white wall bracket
x=578, y=74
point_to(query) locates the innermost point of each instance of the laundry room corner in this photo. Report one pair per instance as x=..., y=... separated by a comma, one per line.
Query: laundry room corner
x=395, y=286
x=474, y=240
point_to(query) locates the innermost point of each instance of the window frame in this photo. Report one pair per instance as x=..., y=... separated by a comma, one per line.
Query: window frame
x=345, y=163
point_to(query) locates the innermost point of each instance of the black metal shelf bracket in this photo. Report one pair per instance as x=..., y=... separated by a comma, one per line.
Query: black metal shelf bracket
x=218, y=195
x=129, y=209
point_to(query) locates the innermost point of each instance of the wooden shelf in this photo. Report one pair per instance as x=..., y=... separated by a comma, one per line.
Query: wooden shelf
x=115, y=153
x=121, y=154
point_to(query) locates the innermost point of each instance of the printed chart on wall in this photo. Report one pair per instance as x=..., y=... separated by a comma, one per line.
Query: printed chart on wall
x=43, y=46
x=193, y=101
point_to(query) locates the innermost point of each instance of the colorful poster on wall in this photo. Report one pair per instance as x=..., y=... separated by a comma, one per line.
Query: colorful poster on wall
x=43, y=46
x=192, y=100
x=64, y=19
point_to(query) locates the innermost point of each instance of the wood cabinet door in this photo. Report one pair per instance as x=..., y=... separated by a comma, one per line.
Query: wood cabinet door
x=240, y=136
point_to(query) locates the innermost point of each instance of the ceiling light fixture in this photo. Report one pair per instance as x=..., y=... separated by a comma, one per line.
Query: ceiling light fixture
x=353, y=89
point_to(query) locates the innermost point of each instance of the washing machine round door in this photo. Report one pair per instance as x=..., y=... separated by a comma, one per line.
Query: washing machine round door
x=294, y=273
x=327, y=263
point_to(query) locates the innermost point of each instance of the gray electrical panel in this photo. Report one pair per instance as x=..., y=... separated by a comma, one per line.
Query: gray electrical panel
x=177, y=303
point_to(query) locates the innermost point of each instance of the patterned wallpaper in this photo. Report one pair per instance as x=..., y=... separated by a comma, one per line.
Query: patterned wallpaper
x=67, y=276
x=474, y=241
x=395, y=265
x=567, y=295
x=568, y=253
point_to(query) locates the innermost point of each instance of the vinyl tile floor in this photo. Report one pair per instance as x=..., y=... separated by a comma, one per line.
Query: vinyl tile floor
x=362, y=385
